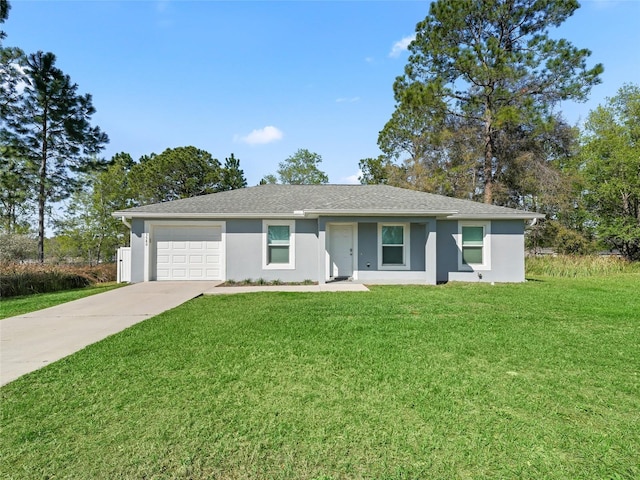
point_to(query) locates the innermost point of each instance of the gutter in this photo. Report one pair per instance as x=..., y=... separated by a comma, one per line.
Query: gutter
x=441, y=215
x=380, y=213
x=169, y=215
x=497, y=216
x=294, y=214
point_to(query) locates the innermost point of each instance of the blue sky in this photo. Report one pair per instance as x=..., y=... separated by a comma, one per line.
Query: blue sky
x=263, y=79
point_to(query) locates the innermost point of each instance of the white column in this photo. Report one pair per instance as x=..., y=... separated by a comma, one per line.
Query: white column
x=431, y=254
x=322, y=247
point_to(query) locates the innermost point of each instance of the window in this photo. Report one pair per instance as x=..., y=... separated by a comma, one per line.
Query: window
x=278, y=241
x=393, y=251
x=472, y=244
x=474, y=251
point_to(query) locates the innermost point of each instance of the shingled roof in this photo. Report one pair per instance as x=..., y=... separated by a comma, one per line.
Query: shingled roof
x=279, y=201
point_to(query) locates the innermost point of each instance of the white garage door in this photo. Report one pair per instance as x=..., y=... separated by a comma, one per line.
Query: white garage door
x=188, y=253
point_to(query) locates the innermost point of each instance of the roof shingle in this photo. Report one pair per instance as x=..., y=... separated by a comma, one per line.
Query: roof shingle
x=290, y=200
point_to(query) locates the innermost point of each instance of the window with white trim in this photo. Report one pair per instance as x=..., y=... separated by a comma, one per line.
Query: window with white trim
x=278, y=244
x=473, y=245
x=393, y=246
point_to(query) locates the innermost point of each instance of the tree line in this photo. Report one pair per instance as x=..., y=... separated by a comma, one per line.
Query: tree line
x=49, y=152
x=87, y=230
x=477, y=116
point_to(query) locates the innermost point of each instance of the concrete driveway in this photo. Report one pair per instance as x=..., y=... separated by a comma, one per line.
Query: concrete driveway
x=33, y=340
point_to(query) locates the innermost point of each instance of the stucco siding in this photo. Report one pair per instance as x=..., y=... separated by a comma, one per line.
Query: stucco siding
x=507, y=253
x=418, y=239
x=367, y=246
x=245, y=250
x=447, y=249
x=137, y=250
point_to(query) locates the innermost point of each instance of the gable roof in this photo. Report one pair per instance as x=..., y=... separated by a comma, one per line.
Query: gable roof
x=286, y=201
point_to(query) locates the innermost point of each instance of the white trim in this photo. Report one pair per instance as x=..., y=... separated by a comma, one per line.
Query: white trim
x=406, y=241
x=442, y=214
x=147, y=253
x=123, y=259
x=390, y=276
x=496, y=216
x=327, y=250
x=298, y=213
x=382, y=212
x=292, y=245
x=486, y=246
x=148, y=238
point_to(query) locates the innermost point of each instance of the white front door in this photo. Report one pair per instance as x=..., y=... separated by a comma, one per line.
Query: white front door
x=341, y=250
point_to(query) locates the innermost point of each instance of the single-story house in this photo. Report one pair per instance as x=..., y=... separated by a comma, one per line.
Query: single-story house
x=293, y=233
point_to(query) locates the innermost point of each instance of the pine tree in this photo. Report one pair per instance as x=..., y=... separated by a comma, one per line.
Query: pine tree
x=50, y=129
x=493, y=64
x=232, y=176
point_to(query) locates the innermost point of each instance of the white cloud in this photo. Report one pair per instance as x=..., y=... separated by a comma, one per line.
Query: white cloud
x=261, y=136
x=347, y=99
x=401, y=46
x=352, y=179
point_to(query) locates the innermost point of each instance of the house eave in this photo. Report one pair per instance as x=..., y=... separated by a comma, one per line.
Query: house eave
x=377, y=213
x=294, y=214
x=440, y=215
x=497, y=216
x=167, y=215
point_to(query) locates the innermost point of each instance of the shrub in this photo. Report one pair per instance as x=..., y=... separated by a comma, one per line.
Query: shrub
x=27, y=279
x=572, y=242
x=17, y=248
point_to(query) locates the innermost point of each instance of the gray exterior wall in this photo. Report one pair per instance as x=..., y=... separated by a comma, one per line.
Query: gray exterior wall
x=447, y=249
x=245, y=249
x=137, y=250
x=418, y=240
x=368, y=245
x=507, y=253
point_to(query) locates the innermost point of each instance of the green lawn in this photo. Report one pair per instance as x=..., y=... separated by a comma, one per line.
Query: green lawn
x=30, y=303
x=537, y=380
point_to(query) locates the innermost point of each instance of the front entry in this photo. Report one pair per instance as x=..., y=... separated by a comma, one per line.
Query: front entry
x=341, y=251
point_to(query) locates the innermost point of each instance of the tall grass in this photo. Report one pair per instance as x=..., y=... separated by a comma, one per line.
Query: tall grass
x=579, y=266
x=26, y=279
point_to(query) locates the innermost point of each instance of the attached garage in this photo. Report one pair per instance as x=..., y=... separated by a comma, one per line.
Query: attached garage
x=188, y=252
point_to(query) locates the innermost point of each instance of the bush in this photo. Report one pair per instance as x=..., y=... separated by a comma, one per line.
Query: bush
x=17, y=248
x=571, y=242
x=563, y=240
x=27, y=279
x=579, y=266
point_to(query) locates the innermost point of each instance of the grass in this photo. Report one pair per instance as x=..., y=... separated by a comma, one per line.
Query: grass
x=535, y=380
x=30, y=303
x=579, y=266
